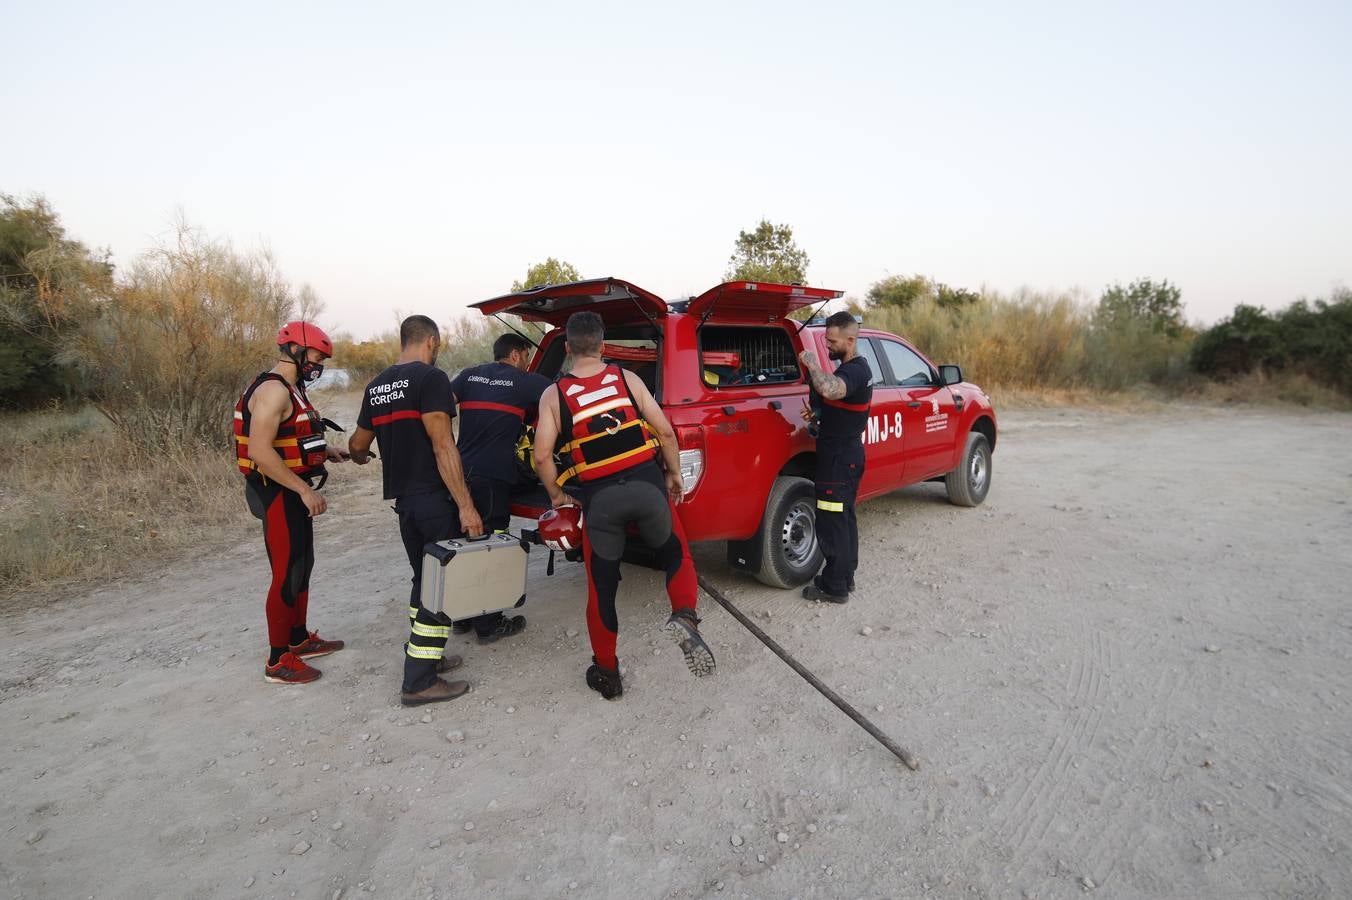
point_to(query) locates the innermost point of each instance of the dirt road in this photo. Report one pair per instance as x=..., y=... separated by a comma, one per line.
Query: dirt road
x=1127, y=674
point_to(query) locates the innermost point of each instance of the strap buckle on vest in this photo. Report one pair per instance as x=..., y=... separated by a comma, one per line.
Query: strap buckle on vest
x=611, y=429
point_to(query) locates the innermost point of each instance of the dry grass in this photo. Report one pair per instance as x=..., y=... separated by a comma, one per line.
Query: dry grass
x=1289, y=389
x=79, y=504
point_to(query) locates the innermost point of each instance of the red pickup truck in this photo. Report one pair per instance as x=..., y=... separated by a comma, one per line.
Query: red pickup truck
x=724, y=366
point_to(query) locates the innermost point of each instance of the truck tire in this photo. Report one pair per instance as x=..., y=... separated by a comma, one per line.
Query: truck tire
x=969, y=483
x=790, y=554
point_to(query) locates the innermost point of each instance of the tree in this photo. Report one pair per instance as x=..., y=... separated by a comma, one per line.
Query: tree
x=1158, y=305
x=767, y=254
x=49, y=285
x=898, y=291
x=184, y=329
x=551, y=271
x=902, y=292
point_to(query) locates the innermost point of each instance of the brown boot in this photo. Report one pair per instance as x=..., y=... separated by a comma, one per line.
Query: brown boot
x=446, y=663
x=438, y=692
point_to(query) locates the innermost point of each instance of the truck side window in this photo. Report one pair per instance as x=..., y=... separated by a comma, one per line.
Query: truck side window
x=741, y=356
x=870, y=353
x=908, y=369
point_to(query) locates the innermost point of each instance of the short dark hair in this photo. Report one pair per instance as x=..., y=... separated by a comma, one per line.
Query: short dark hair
x=415, y=329
x=842, y=320
x=585, y=332
x=503, y=346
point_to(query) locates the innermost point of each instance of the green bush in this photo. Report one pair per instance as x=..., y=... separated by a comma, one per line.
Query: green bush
x=1310, y=338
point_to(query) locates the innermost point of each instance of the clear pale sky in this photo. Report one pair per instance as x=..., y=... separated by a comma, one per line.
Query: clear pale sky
x=417, y=157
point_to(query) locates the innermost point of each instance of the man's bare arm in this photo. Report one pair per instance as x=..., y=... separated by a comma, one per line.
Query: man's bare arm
x=546, y=436
x=359, y=445
x=438, y=427
x=832, y=387
x=269, y=405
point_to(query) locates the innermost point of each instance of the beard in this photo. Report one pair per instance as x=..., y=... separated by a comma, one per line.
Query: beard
x=836, y=355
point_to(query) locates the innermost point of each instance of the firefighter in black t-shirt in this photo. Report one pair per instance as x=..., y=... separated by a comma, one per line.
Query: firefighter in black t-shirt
x=845, y=397
x=408, y=409
x=495, y=400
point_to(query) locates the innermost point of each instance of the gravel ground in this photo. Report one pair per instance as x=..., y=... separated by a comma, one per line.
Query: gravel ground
x=1127, y=674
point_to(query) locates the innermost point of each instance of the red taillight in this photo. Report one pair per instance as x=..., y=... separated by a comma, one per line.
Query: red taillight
x=690, y=440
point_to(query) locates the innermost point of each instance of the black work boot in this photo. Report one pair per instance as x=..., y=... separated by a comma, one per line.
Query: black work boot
x=605, y=682
x=503, y=627
x=815, y=591
x=683, y=628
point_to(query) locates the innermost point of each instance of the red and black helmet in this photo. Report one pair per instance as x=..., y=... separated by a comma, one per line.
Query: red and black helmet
x=561, y=528
x=307, y=335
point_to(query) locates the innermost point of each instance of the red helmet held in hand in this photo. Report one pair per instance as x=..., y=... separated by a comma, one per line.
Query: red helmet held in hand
x=306, y=334
x=561, y=528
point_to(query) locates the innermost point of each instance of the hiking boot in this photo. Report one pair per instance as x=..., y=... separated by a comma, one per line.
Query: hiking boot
x=683, y=628
x=290, y=669
x=314, y=645
x=504, y=627
x=446, y=663
x=438, y=691
x=605, y=682
x=813, y=592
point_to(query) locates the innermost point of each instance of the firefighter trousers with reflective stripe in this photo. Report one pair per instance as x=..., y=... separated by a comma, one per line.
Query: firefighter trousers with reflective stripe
x=609, y=508
x=423, y=519
x=839, y=470
x=289, y=537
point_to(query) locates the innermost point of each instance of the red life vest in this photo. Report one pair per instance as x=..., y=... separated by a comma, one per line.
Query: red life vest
x=600, y=430
x=300, y=438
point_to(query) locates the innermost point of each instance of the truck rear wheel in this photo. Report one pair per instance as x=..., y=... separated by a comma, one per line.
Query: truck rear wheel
x=971, y=480
x=790, y=554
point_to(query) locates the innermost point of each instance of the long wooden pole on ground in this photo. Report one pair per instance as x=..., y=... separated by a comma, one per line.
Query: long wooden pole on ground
x=901, y=753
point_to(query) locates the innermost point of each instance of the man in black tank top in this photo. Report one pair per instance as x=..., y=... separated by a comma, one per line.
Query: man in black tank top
x=843, y=417
x=408, y=409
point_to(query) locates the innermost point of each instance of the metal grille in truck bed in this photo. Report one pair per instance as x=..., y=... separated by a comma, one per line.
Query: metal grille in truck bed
x=762, y=356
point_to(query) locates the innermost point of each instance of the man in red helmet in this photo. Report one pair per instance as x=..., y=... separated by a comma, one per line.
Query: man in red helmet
x=280, y=449
x=611, y=432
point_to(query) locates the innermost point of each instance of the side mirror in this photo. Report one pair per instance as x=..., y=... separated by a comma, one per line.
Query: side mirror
x=949, y=375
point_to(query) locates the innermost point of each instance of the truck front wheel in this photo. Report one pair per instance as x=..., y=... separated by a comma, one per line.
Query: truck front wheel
x=971, y=480
x=790, y=554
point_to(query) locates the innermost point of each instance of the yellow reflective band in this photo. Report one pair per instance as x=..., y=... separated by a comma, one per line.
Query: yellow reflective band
x=650, y=444
x=500, y=531
x=431, y=631
x=417, y=652
x=280, y=442
x=831, y=505
x=412, y=612
x=578, y=442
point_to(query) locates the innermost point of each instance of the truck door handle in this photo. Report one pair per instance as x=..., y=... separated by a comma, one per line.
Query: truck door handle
x=914, y=404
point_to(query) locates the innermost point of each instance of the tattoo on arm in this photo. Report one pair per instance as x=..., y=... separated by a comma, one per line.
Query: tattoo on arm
x=829, y=386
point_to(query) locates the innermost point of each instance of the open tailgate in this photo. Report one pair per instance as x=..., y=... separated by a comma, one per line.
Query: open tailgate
x=616, y=302
x=756, y=301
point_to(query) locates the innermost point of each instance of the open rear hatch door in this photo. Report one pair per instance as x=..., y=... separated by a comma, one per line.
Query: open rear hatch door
x=756, y=301
x=616, y=302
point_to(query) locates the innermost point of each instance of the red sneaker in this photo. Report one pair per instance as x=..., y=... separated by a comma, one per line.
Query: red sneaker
x=290, y=669
x=315, y=645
